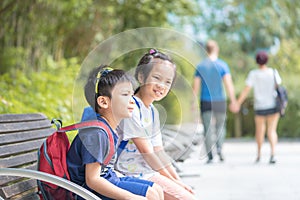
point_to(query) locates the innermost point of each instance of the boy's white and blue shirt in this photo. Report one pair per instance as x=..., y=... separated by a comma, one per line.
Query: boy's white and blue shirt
x=143, y=123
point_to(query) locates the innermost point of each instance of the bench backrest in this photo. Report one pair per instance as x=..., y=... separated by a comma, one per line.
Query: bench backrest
x=21, y=135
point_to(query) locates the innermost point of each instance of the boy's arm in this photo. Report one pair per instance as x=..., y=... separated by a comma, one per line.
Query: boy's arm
x=104, y=187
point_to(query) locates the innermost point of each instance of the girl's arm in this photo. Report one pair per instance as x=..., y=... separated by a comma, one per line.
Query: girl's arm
x=172, y=171
x=168, y=167
x=103, y=186
x=154, y=157
x=151, y=157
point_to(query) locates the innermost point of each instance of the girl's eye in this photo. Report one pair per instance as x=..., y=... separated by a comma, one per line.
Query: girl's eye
x=156, y=77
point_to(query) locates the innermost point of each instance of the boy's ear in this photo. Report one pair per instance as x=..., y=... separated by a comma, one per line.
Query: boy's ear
x=102, y=101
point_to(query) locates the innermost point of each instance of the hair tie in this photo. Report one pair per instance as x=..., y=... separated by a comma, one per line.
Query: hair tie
x=152, y=51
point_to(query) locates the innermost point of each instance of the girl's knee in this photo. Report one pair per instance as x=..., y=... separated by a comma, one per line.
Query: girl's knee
x=159, y=190
x=154, y=193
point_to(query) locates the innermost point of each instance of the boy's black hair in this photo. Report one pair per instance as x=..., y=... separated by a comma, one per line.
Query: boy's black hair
x=145, y=65
x=107, y=79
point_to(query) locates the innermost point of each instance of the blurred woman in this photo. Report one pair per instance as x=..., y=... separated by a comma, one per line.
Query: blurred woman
x=262, y=80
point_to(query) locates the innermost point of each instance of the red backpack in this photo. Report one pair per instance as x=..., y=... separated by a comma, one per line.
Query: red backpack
x=52, y=158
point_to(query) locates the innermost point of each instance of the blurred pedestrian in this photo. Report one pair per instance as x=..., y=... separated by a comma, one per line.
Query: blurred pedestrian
x=211, y=75
x=262, y=80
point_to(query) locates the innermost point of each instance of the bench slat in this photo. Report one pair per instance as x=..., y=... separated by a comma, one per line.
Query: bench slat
x=6, y=179
x=20, y=137
x=29, y=195
x=21, y=117
x=25, y=135
x=24, y=126
x=13, y=161
x=17, y=188
x=20, y=147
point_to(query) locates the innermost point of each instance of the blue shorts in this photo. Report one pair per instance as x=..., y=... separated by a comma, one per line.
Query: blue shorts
x=266, y=112
x=134, y=185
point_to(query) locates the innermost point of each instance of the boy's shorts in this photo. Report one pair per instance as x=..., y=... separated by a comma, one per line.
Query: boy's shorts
x=134, y=185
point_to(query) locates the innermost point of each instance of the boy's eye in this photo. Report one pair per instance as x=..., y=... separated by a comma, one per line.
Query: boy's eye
x=129, y=93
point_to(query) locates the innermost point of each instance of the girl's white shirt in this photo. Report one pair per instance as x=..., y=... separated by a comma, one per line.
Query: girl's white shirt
x=141, y=124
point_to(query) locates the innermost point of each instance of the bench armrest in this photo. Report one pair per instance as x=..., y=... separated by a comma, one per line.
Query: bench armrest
x=73, y=187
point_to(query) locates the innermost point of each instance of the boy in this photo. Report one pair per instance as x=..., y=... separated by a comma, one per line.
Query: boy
x=109, y=92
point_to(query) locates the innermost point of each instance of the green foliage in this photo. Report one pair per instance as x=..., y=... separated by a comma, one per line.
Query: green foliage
x=287, y=59
x=65, y=29
x=254, y=24
x=171, y=106
x=13, y=57
x=38, y=40
x=49, y=92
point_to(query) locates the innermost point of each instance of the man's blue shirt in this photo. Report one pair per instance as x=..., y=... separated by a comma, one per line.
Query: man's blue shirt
x=211, y=74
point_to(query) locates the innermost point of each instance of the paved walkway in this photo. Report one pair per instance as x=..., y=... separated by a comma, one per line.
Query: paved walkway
x=239, y=178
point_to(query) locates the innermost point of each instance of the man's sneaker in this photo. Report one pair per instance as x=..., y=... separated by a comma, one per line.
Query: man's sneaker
x=209, y=161
x=221, y=157
x=210, y=157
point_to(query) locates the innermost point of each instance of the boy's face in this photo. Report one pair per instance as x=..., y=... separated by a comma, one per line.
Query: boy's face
x=122, y=103
x=160, y=79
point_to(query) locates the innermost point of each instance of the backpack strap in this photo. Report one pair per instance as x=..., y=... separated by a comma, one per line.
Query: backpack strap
x=94, y=124
x=275, y=81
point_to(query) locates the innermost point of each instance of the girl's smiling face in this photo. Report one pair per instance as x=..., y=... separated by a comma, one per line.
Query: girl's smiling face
x=159, y=80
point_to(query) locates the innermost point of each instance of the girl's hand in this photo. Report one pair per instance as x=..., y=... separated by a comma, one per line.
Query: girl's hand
x=187, y=187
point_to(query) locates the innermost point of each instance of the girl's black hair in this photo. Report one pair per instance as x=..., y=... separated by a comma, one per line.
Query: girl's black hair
x=145, y=64
x=101, y=82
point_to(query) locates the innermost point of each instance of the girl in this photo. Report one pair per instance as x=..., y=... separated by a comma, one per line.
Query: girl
x=141, y=153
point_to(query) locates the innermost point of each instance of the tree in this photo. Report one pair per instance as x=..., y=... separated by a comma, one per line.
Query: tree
x=34, y=31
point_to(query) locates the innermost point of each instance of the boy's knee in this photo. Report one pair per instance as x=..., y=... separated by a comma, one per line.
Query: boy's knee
x=154, y=193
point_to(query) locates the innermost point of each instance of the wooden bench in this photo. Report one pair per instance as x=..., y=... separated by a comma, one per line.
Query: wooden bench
x=180, y=140
x=21, y=135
